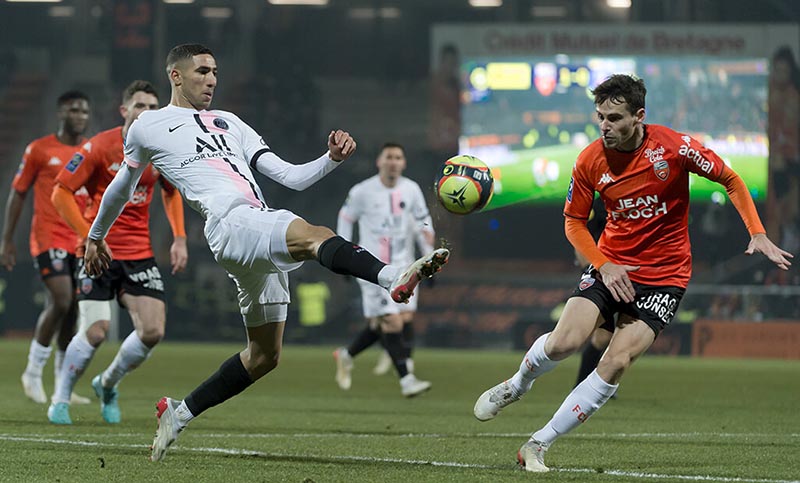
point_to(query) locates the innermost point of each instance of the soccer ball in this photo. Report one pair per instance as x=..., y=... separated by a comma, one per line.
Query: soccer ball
x=464, y=184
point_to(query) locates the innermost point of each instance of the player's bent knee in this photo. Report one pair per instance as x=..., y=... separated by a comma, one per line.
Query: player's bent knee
x=561, y=346
x=150, y=336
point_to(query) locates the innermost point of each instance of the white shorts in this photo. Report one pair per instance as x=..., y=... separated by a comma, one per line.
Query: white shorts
x=250, y=244
x=376, y=301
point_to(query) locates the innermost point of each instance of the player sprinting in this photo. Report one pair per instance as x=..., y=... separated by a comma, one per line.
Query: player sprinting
x=642, y=263
x=392, y=218
x=52, y=242
x=208, y=156
x=132, y=278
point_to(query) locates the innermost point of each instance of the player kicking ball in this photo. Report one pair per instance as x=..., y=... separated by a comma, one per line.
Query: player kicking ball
x=210, y=156
x=640, y=267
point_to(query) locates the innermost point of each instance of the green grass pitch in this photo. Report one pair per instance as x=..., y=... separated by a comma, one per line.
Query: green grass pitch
x=676, y=419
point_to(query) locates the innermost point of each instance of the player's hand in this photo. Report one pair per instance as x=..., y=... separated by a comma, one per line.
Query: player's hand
x=341, y=145
x=761, y=244
x=8, y=255
x=616, y=279
x=97, y=257
x=178, y=254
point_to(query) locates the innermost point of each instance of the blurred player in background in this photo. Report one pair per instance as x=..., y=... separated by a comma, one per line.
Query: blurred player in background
x=392, y=218
x=133, y=277
x=642, y=264
x=209, y=156
x=52, y=242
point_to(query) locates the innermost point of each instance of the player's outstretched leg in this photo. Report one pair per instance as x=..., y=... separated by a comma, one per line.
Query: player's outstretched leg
x=534, y=364
x=305, y=242
x=234, y=376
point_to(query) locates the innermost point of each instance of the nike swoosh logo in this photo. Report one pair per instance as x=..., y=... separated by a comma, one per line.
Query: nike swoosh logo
x=176, y=127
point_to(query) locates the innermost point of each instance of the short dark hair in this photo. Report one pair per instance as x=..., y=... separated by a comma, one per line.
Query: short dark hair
x=70, y=96
x=621, y=88
x=390, y=144
x=184, y=52
x=138, y=86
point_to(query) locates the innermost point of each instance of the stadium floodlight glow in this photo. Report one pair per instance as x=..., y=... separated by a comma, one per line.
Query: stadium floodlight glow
x=298, y=2
x=216, y=12
x=61, y=11
x=485, y=3
x=619, y=3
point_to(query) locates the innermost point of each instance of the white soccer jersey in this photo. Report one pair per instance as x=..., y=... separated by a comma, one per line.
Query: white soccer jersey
x=390, y=220
x=208, y=157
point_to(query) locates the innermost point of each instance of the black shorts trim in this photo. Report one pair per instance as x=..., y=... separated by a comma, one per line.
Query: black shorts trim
x=54, y=262
x=653, y=304
x=134, y=277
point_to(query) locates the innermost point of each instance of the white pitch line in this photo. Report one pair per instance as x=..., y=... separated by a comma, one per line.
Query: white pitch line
x=451, y=464
x=334, y=434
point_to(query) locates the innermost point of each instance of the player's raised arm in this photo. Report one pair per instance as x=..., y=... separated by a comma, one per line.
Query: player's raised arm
x=296, y=176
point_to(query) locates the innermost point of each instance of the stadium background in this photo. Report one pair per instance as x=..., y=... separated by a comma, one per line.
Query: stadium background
x=373, y=67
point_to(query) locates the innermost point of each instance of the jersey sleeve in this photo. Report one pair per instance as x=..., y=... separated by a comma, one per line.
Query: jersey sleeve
x=28, y=169
x=252, y=143
x=580, y=194
x=136, y=149
x=79, y=169
x=700, y=160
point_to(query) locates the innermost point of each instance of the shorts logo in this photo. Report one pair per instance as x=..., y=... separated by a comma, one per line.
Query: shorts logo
x=220, y=123
x=661, y=169
x=586, y=283
x=86, y=285
x=58, y=265
x=74, y=162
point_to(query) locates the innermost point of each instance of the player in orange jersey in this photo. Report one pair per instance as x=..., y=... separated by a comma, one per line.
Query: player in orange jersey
x=133, y=277
x=52, y=242
x=642, y=263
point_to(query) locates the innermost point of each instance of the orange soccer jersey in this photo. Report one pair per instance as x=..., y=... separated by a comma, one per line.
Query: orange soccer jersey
x=96, y=164
x=646, y=194
x=43, y=159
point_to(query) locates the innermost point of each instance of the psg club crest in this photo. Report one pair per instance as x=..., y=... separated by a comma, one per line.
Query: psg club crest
x=586, y=283
x=86, y=285
x=661, y=169
x=220, y=123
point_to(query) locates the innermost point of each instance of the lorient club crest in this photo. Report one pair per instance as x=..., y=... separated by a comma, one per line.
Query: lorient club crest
x=585, y=283
x=661, y=169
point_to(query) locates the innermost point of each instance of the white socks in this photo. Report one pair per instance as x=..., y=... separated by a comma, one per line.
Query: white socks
x=582, y=402
x=183, y=414
x=387, y=275
x=37, y=358
x=77, y=356
x=131, y=354
x=534, y=364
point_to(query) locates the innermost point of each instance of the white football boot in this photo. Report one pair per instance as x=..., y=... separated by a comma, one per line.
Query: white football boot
x=344, y=366
x=168, y=427
x=531, y=456
x=493, y=400
x=425, y=267
x=33, y=387
x=384, y=364
x=410, y=386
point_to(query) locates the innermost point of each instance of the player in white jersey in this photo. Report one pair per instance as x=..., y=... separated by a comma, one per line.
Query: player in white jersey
x=391, y=214
x=208, y=157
